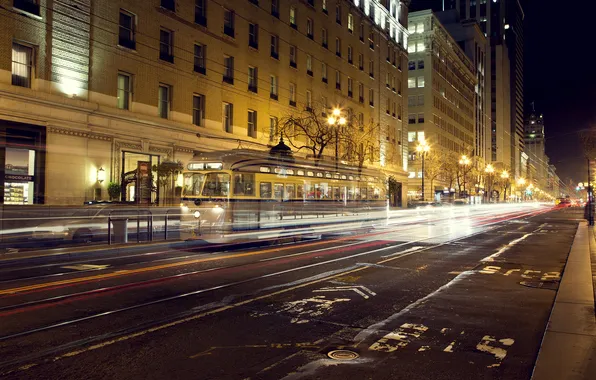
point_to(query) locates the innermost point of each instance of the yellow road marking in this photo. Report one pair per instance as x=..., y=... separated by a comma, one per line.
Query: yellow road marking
x=125, y=272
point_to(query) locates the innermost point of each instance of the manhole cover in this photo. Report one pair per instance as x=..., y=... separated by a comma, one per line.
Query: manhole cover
x=552, y=285
x=343, y=355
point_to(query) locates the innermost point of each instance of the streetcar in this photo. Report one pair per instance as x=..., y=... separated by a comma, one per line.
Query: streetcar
x=245, y=194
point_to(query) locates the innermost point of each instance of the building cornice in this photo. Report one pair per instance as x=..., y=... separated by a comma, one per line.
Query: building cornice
x=78, y=133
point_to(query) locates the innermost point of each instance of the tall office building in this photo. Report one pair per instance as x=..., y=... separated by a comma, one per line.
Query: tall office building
x=471, y=39
x=94, y=89
x=441, y=99
x=502, y=23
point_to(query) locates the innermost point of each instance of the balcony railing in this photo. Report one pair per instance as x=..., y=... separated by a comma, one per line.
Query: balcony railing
x=29, y=6
x=127, y=43
x=166, y=57
x=229, y=31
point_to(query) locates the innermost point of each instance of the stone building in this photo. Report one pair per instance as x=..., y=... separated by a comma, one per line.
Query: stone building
x=93, y=88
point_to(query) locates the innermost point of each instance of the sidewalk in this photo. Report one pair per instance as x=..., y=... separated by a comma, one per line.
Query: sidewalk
x=568, y=349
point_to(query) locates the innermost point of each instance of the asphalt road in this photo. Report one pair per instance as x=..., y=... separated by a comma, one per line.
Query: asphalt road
x=438, y=296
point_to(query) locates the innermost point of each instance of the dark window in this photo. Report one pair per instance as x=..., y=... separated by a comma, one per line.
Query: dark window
x=126, y=30
x=201, y=12
x=124, y=91
x=253, y=36
x=228, y=116
x=421, y=64
x=275, y=8
x=29, y=6
x=253, y=79
x=165, y=46
x=228, y=76
x=338, y=14
x=200, y=55
x=412, y=65
x=229, y=21
x=169, y=5
x=275, y=47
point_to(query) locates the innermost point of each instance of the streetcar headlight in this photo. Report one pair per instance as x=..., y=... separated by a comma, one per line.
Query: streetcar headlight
x=183, y=208
x=197, y=214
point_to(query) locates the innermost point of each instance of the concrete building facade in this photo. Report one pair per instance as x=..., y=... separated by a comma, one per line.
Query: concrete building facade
x=105, y=88
x=441, y=98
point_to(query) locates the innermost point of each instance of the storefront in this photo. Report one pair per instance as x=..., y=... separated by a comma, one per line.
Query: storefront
x=22, y=163
x=139, y=183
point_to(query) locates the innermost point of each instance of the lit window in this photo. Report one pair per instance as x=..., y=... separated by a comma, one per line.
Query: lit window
x=411, y=82
x=252, y=123
x=227, y=115
x=411, y=47
x=272, y=128
x=273, y=89
x=309, y=64
x=420, y=47
x=198, y=109
x=293, y=16
x=420, y=81
x=163, y=107
x=124, y=91
x=421, y=135
x=420, y=28
x=411, y=136
x=292, y=94
x=22, y=64
x=350, y=23
x=308, y=99
x=293, y=53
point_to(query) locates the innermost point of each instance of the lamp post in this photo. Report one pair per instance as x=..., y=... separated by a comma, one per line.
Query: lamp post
x=422, y=149
x=521, y=182
x=505, y=177
x=336, y=120
x=464, y=161
x=490, y=170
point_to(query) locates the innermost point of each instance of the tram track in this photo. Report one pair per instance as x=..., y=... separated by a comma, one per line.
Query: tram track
x=196, y=251
x=200, y=291
x=195, y=313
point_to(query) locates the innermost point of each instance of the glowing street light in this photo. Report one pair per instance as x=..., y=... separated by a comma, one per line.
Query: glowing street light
x=422, y=148
x=336, y=120
x=464, y=161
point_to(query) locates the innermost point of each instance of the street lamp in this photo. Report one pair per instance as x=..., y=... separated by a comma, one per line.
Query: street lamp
x=422, y=149
x=464, y=161
x=336, y=120
x=490, y=170
x=505, y=177
x=521, y=182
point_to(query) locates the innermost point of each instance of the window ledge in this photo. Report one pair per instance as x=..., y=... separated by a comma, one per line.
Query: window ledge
x=28, y=14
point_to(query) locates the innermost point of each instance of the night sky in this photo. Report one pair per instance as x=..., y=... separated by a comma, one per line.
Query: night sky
x=559, y=75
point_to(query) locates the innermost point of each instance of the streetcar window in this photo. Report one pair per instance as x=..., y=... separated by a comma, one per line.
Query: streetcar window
x=373, y=192
x=193, y=182
x=309, y=190
x=196, y=166
x=290, y=172
x=214, y=166
x=336, y=176
x=363, y=193
x=351, y=178
x=343, y=176
x=300, y=191
x=323, y=191
x=278, y=190
x=310, y=174
x=217, y=185
x=327, y=175
x=277, y=170
x=356, y=192
x=244, y=184
x=265, y=169
x=336, y=193
x=320, y=175
x=300, y=172
x=290, y=192
x=265, y=188
x=342, y=193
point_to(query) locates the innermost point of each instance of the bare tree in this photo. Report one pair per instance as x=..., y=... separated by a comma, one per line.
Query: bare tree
x=361, y=142
x=451, y=169
x=308, y=130
x=433, y=168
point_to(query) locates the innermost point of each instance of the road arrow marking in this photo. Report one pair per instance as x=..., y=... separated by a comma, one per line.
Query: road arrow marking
x=359, y=289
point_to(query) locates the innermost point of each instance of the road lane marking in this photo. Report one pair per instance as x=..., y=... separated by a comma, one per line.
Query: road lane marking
x=358, y=289
x=487, y=345
x=86, y=267
x=282, y=291
x=399, y=338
